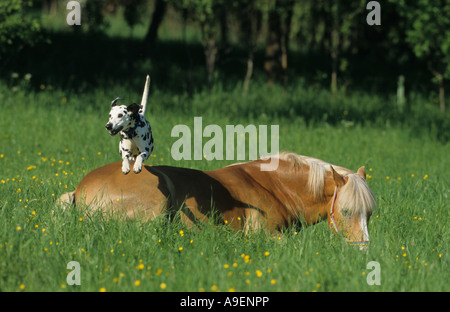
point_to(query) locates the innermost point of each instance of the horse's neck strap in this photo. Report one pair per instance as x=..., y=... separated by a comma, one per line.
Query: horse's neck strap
x=332, y=205
x=332, y=221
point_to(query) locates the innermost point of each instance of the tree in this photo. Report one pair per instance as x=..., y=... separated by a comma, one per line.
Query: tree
x=279, y=26
x=333, y=27
x=157, y=18
x=132, y=11
x=249, y=16
x=17, y=29
x=207, y=14
x=428, y=35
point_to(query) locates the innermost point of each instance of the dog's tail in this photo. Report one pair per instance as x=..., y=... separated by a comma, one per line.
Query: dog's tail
x=145, y=95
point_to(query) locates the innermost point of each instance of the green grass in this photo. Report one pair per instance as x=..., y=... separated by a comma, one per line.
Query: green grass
x=51, y=138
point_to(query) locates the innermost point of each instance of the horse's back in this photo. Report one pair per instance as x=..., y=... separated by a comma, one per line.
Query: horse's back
x=237, y=193
x=107, y=188
x=152, y=191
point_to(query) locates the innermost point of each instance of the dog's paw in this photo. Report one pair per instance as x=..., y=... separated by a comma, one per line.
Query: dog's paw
x=125, y=166
x=137, y=168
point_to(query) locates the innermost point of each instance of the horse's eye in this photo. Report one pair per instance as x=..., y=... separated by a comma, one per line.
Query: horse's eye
x=120, y=116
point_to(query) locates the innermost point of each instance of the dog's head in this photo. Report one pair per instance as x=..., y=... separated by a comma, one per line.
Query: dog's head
x=121, y=117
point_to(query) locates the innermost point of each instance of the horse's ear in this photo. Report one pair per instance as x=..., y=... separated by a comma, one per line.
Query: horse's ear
x=362, y=172
x=338, y=179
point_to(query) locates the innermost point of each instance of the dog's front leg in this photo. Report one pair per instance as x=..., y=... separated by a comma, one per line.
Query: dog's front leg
x=126, y=160
x=126, y=164
x=139, y=160
x=125, y=151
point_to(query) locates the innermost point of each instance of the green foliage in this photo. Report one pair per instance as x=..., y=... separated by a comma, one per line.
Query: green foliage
x=201, y=11
x=96, y=18
x=133, y=11
x=428, y=30
x=17, y=28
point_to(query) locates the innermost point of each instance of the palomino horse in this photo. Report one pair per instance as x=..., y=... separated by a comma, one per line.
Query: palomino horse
x=301, y=188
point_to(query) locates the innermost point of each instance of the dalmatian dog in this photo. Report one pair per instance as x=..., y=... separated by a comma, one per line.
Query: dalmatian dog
x=136, y=137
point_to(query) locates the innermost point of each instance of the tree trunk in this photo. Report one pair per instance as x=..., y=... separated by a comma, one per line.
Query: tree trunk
x=223, y=19
x=210, y=59
x=210, y=51
x=440, y=78
x=334, y=71
x=49, y=7
x=272, y=62
x=441, y=94
x=157, y=17
x=334, y=82
x=276, y=59
x=189, y=63
x=335, y=45
x=288, y=6
x=249, y=23
x=249, y=73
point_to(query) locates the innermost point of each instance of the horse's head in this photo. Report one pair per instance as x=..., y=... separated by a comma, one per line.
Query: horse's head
x=351, y=206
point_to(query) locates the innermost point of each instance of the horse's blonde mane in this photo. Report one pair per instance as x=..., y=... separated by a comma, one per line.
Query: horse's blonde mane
x=355, y=196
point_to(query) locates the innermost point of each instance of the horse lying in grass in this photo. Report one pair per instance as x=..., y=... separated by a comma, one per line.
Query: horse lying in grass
x=301, y=189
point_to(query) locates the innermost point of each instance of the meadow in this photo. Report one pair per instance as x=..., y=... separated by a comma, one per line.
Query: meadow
x=51, y=138
x=55, y=99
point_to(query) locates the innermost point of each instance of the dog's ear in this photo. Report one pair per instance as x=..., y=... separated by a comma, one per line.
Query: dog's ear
x=133, y=108
x=114, y=102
